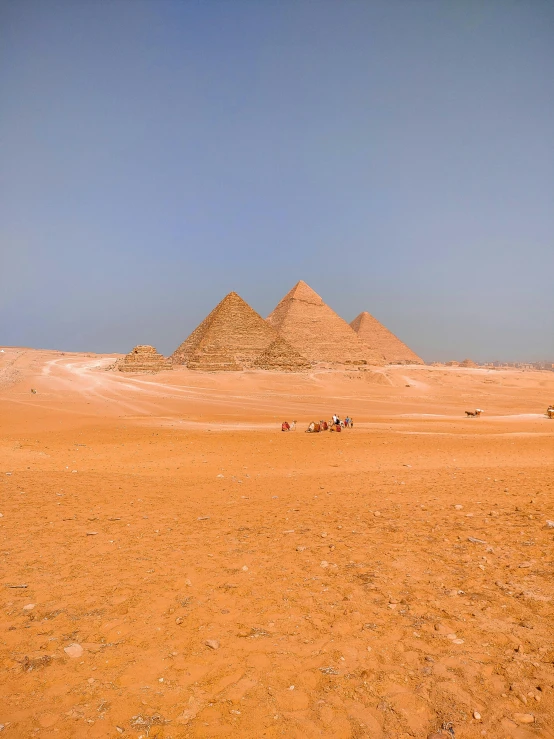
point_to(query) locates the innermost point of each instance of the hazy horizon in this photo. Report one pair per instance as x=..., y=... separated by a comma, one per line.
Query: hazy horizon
x=396, y=156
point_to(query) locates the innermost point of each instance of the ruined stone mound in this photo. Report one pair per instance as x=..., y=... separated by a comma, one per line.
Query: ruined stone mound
x=143, y=358
x=317, y=332
x=280, y=355
x=379, y=338
x=232, y=337
x=468, y=363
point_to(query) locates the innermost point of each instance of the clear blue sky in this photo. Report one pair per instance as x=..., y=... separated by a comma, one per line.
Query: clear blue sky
x=397, y=156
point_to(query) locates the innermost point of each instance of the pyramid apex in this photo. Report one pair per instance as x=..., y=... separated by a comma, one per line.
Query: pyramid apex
x=302, y=291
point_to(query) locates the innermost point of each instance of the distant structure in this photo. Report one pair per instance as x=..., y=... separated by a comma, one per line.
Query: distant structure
x=452, y=363
x=380, y=339
x=468, y=363
x=317, y=332
x=143, y=358
x=281, y=356
x=234, y=337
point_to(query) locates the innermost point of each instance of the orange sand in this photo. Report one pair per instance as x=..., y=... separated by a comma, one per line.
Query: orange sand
x=150, y=514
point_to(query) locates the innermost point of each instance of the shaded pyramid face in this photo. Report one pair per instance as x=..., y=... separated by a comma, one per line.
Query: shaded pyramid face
x=231, y=338
x=316, y=331
x=379, y=338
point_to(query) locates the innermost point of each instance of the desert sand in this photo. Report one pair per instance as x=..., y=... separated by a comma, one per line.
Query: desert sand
x=176, y=566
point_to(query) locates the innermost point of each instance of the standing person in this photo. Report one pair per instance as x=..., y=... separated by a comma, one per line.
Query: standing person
x=293, y=427
x=351, y=423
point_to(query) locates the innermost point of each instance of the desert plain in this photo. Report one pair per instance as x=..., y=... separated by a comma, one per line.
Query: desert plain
x=173, y=565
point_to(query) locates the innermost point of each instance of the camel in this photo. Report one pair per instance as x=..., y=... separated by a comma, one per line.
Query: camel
x=476, y=413
x=550, y=411
x=313, y=428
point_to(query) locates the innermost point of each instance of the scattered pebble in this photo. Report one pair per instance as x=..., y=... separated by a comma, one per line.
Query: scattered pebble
x=300, y=549
x=178, y=620
x=524, y=718
x=324, y=564
x=92, y=533
x=458, y=507
x=203, y=518
x=477, y=715
x=212, y=643
x=29, y=607
x=376, y=513
x=74, y=650
x=550, y=524
x=245, y=568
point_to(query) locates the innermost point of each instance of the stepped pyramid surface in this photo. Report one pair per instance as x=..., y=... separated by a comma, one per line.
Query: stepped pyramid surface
x=234, y=337
x=316, y=331
x=375, y=335
x=143, y=358
x=280, y=355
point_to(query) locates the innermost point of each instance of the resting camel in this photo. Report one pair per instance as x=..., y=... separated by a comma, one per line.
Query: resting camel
x=477, y=412
x=313, y=428
x=550, y=411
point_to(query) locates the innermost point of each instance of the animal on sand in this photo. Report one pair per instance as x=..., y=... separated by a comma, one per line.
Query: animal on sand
x=476, y=413
x=550, y=411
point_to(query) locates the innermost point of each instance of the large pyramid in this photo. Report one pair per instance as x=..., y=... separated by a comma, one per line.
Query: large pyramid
x=234, y=337
x=376, y=336
x=317, y=332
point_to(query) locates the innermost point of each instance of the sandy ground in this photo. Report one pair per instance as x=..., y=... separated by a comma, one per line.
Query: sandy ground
x=217, y=577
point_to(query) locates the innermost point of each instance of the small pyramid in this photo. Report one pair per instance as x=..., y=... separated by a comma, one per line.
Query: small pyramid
x=143, y=358
x=280, y=355
x=316, y=331
x=376, y=336
x=468, y=363
x=231, y=338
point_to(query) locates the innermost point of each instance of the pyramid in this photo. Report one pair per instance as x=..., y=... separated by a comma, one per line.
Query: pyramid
x=234, y=337
x=143, y=358
x=375, y=335
x=316, y=331
x=280, y=355
x=468, y=363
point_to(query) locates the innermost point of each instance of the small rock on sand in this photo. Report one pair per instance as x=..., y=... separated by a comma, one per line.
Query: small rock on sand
x=458, y=507
x=376, y=513
x=477, y=715
x=74, y=650
x=29, y=607
x=524, y=718
x=324, y=564
x=550, y=524
x=212, y=643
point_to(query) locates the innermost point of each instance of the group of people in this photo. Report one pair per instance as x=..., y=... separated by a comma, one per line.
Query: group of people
x=335, y=424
